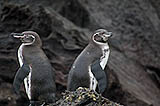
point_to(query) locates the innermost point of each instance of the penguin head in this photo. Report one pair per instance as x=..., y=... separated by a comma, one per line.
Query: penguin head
x=101, y=36
x=28, y=38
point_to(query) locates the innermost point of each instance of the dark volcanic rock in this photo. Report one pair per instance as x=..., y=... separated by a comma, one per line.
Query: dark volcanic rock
x=65, y=27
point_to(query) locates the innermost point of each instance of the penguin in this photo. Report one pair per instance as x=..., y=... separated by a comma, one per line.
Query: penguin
x=88, y=68
x=35, y=70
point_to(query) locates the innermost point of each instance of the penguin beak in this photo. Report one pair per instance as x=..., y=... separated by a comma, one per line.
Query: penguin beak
x=107, y=36
x=110, y=33
x=17, y=35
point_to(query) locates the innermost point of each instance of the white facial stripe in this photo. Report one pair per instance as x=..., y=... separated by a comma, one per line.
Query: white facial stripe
x=18, y=36
x=107, y=35
x=95, y=40
x=100, y=43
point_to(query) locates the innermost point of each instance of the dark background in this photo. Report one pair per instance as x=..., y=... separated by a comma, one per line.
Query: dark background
x=65, y=27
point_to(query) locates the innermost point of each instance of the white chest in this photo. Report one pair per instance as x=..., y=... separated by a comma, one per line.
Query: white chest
x=93, y=81
x=104, y=58
x=27, y=84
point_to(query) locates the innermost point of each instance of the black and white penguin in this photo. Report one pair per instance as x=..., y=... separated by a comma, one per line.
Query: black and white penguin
x=35, y=69
x=88, y=68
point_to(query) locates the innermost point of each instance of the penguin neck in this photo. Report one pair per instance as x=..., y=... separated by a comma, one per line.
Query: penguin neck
x=23, y=50
x=90, y=54
x=30, y=48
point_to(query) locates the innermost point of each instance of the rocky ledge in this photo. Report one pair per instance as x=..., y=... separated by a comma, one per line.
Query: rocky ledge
x=83, y=97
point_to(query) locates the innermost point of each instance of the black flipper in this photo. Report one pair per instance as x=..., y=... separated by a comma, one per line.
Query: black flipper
x=19, y=77
x=100, y=76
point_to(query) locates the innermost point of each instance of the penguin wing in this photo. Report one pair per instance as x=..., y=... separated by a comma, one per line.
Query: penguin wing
x=19, y=77
x=100, y=76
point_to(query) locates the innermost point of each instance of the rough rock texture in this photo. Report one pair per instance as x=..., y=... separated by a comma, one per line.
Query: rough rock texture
x=65, y=27
x=83, y=97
